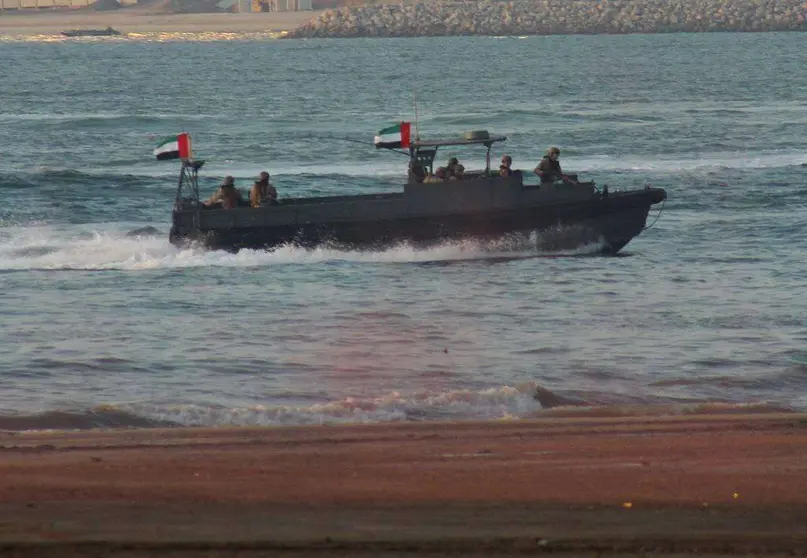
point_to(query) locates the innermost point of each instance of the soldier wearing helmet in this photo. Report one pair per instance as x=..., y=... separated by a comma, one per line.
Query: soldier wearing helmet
x=452, y=170
x=549, y=167
x=227, y=195
x=263, y=192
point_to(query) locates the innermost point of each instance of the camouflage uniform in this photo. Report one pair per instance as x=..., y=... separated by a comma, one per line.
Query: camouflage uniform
x=549, y=169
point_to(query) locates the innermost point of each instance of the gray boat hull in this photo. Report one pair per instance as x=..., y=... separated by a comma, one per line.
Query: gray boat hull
x=565, y=216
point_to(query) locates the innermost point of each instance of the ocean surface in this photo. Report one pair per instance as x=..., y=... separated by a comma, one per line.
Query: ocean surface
x=705, y=309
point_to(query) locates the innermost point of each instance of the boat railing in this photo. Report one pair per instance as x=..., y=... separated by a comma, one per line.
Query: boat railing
x=339, y=199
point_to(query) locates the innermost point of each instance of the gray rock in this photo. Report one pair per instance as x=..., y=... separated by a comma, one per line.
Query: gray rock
x=554, y=17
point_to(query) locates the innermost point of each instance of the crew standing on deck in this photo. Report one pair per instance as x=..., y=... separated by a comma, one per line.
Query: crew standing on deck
x=549, y=167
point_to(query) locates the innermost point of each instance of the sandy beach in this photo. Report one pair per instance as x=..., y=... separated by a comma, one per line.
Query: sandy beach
x=696, y=484
x=145, y=21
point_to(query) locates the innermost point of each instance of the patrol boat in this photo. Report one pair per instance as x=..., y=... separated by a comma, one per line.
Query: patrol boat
x=480, y=205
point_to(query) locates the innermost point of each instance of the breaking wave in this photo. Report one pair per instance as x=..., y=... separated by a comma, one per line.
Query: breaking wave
x=666, y=164
x=499, y=403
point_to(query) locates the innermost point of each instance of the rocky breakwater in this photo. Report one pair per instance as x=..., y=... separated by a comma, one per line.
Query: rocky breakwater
x=556, y=17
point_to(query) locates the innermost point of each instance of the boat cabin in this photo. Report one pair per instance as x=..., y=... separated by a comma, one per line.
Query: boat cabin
x=423, y=153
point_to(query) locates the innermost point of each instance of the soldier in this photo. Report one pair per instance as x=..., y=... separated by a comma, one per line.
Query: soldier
x=449, y=170
x=453, y=165
x=263, y=192
x=549, y=167
x=505, y=168
x=457, y=173
x=227, y=194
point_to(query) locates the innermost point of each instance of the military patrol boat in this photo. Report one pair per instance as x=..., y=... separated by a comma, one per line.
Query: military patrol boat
x=479, y=204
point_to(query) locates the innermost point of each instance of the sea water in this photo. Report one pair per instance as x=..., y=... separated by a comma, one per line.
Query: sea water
x=100, y=328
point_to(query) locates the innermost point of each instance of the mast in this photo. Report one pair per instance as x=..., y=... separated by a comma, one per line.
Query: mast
x=188, y=180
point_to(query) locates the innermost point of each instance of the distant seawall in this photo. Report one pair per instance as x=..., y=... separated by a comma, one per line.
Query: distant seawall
x=556, y=17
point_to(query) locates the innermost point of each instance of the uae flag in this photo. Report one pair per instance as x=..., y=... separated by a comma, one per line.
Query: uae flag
x=174, y=147
x=394, y=136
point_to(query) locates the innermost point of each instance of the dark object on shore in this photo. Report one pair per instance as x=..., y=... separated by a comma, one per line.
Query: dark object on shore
x=479, y=205
x=548, y=400
x=106, y=5
x=108, y=32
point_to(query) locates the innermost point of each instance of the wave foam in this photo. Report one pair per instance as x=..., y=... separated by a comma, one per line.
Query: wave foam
x=664, y=164
x=503, y=402
x=98, y=116
x=496, y=403
x=98, y=248
x=393, y=171
x=686, y=163
x=220, y=167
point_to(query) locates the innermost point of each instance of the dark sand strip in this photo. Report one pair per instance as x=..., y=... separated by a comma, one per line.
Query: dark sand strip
x=693, y=485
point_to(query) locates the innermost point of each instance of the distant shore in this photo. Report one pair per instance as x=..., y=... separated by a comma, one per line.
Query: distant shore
x=435, y=18
x=692, y=485
x=555, y=17
x=21, y=24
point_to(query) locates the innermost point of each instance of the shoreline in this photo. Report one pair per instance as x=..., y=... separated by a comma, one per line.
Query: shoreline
x=135, y=22
x=106, y=417
x=521, y=18
x=694, y=484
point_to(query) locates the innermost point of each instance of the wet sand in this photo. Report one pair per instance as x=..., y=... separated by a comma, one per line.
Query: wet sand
x=145, y=21
x=703, y=484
